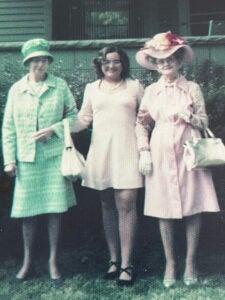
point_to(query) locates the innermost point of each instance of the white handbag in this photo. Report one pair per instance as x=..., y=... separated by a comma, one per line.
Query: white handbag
x=73, y=162
x=204, y=152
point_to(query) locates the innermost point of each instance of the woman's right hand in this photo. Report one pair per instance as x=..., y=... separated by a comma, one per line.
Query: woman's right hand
x=11, y=170
x=144, y=117
x=145, y=163
x=43, y=135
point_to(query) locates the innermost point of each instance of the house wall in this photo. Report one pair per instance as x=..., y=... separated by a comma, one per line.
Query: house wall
x=24, y=19
x=184, y=17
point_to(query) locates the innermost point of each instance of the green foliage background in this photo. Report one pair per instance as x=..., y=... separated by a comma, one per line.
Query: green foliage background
x=209, y=75
x=83, y=267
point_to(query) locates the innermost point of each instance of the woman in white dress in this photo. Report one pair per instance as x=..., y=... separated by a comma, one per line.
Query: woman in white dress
x=110, y=104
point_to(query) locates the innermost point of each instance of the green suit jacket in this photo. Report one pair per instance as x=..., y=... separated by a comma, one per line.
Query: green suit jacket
x=26, y=113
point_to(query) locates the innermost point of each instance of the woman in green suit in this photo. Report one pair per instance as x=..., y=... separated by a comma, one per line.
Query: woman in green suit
x=33, y=142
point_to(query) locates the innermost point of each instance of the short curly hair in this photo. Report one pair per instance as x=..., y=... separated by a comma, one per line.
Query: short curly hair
x=97, y=62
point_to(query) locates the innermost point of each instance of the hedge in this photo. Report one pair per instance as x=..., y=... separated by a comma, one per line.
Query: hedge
x=210, y=76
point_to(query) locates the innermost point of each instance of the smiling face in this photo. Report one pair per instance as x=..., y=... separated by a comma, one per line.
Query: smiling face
x=38, y=67
x=112, y=67
x=169, y=66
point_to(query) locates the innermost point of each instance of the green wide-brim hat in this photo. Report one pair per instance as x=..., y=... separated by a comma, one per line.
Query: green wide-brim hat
x=35, y=48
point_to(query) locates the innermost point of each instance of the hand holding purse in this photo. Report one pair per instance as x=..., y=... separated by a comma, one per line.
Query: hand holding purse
x=204, y=152
x=145, y=163
x=73, y=162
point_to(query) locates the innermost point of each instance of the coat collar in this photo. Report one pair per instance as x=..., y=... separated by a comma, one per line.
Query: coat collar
x=25, y=87
x=181, y=83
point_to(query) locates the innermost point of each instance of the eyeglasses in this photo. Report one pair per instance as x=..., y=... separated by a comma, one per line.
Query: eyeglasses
x=40, y=59
x=167, y=60
x=108, y=62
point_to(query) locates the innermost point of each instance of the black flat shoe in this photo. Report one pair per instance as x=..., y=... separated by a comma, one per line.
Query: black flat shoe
x=127, y=282
x=112, y=275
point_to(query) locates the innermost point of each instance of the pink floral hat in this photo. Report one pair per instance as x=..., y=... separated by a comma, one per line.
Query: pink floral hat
x=161, y=46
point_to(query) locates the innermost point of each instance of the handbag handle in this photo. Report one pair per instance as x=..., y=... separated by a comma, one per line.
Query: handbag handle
x=67, y=136
x=206, y=132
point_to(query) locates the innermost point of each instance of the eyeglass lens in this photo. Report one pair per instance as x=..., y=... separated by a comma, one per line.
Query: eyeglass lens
x=108, y=62
x=166, y=60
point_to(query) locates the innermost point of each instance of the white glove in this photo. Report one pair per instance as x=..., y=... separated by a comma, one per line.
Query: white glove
x=185, y=115
x=145, y=163
x=11, y=170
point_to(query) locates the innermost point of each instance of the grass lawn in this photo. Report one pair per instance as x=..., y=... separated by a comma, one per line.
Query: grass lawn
x=84, y=259
x=84, y=284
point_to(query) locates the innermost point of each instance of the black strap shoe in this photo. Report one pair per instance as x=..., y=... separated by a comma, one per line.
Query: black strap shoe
x=127, y=282
x=114, y=274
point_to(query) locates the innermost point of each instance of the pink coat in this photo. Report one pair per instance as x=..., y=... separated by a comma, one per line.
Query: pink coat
x=171, y=190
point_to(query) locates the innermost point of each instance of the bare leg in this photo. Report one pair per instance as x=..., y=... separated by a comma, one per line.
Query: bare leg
x=193, y=226
x=28, y=228
x=166, y=227
x=54, y=228
x=126, y=207
x=110, y=224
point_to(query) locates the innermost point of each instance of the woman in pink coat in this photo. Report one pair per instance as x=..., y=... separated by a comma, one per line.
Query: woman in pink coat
x=176, y=106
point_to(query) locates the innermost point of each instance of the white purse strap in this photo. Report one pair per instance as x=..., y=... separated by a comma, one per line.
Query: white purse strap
x=67, y=136
x=207, y=133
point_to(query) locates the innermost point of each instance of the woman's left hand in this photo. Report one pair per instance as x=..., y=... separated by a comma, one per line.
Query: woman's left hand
x=43, y=135
x=185, y=116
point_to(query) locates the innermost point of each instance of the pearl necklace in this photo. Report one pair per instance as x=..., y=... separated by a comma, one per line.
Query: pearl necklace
x=110, y=87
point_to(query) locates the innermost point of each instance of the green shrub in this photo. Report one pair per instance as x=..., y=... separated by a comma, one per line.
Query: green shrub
x=76, y=80
x=211, y=78
x=209, y=75
x=10, y=72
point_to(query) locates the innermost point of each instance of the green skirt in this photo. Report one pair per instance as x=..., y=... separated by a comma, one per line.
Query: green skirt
x=40, y=188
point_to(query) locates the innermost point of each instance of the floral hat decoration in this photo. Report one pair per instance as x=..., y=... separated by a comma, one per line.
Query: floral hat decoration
x=161, y=46
x=35, y=48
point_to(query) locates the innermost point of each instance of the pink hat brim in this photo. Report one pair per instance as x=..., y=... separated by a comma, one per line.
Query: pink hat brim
x=143, y=54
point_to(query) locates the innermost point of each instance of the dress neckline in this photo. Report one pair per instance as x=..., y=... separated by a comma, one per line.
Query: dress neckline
x=118, y=88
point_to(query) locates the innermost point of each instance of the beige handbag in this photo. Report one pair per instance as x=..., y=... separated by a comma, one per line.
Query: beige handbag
x=204, y=152
x=73, y=162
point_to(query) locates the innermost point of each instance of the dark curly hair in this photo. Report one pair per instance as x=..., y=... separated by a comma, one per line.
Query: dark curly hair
x=97, y=62
x=179, y=54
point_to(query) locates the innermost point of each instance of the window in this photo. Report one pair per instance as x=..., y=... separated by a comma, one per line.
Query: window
x=201, y=12
x=106, y=19
x=97, y=19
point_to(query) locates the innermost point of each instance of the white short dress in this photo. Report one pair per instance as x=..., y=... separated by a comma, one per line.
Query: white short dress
x=112, y=160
